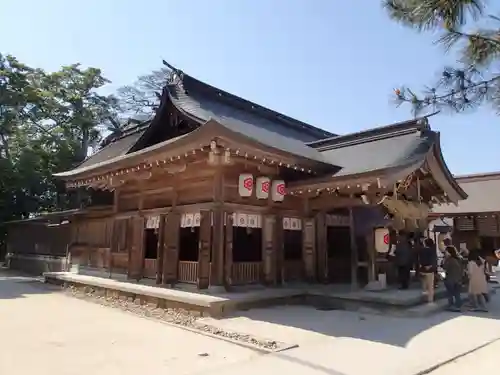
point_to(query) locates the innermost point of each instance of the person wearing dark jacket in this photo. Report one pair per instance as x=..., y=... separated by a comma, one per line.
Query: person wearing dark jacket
x=428, y=266
x=453, y=279
x=404, y=258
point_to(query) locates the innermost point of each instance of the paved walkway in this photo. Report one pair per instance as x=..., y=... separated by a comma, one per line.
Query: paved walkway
x=344, y=343
x=484, y=361
x=46, y=332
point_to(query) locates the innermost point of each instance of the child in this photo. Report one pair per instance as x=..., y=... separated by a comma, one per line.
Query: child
x=478, y=286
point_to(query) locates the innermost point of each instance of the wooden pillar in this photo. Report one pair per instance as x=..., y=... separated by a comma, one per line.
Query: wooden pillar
x=354, y=250
x=269, y=249
x=228, y=251
x=217, y=262
x=204, y=249
x=160, y=253
x=171, y=247
x=116, y=200
x=136, y=249
x=217, y=259
x=322, y=247
x=309, y=249
x=371, y=252
x=279, y=249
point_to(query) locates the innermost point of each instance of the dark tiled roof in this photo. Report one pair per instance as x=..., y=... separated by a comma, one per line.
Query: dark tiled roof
x=378, y=149
x=233, y=108
x=116, y=148
x=196, y=100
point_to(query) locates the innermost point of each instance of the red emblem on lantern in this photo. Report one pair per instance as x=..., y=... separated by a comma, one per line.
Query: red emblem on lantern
x=265, y=187
x=248, y=183
x=280, y=189
x=386, y=239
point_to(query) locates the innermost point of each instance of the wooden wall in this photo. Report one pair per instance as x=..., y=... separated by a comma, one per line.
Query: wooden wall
x=34, y=238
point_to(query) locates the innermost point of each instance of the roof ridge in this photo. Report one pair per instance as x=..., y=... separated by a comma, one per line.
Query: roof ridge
x=243, y=104
x=419, y=123
x=373, y=138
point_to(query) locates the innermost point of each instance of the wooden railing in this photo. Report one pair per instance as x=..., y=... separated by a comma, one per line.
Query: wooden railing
x=246, y=272
x=188, y=272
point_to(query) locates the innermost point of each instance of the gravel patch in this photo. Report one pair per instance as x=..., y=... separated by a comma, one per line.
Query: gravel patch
x=179, y=317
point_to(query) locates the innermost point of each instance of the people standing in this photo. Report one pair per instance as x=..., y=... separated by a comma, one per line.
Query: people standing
x=403, y=255
x=478, y=287
x=428, y=266
x=453, y=278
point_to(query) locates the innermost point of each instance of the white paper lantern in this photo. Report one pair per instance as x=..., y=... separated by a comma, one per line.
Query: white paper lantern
x=245, y=185
x=278, y=190
x=382, y=240
x=262, y=188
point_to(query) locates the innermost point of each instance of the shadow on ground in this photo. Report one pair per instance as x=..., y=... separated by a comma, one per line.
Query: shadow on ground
x=17, y=285
x=390, y=330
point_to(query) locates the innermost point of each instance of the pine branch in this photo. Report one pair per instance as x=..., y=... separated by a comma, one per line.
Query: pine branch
x=459, y=88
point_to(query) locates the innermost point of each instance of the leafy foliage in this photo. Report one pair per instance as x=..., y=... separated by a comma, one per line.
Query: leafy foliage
x=47, y=123
x=466, y=28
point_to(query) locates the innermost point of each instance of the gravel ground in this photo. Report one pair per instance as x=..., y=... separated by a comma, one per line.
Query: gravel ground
x=179, y=317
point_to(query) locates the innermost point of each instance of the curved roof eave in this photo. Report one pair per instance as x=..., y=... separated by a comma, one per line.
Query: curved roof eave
x=443, y=176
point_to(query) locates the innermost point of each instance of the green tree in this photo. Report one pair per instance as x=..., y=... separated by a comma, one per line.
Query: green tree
x=47, y=123
x=467, y=28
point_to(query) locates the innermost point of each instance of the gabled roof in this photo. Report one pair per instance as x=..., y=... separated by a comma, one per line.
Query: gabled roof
x=202, y=137
x=117, y=147
x=483, y=192
x=393, y=146
x=389, y=153
x=203, y=103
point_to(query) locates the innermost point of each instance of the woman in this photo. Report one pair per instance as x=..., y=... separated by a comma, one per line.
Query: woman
x=453, y=278
x=427, y=267
x=478, y=286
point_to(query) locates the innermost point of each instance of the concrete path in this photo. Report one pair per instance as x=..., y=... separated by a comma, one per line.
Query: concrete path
x=484, y=361
x=46, y=332
x=345, y=343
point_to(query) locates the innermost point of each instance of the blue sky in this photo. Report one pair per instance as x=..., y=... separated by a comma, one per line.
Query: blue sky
x=330, y=63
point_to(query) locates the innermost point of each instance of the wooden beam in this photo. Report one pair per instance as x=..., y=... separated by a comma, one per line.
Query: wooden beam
x=330, y=201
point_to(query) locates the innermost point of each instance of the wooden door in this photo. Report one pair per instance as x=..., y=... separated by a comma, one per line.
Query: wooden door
x=171, y=247
x=160, y=252
x=204, y=247
x=136, y=248
x=269, y=249
x=228, y=251
x=118, y=240
x=309, y=249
